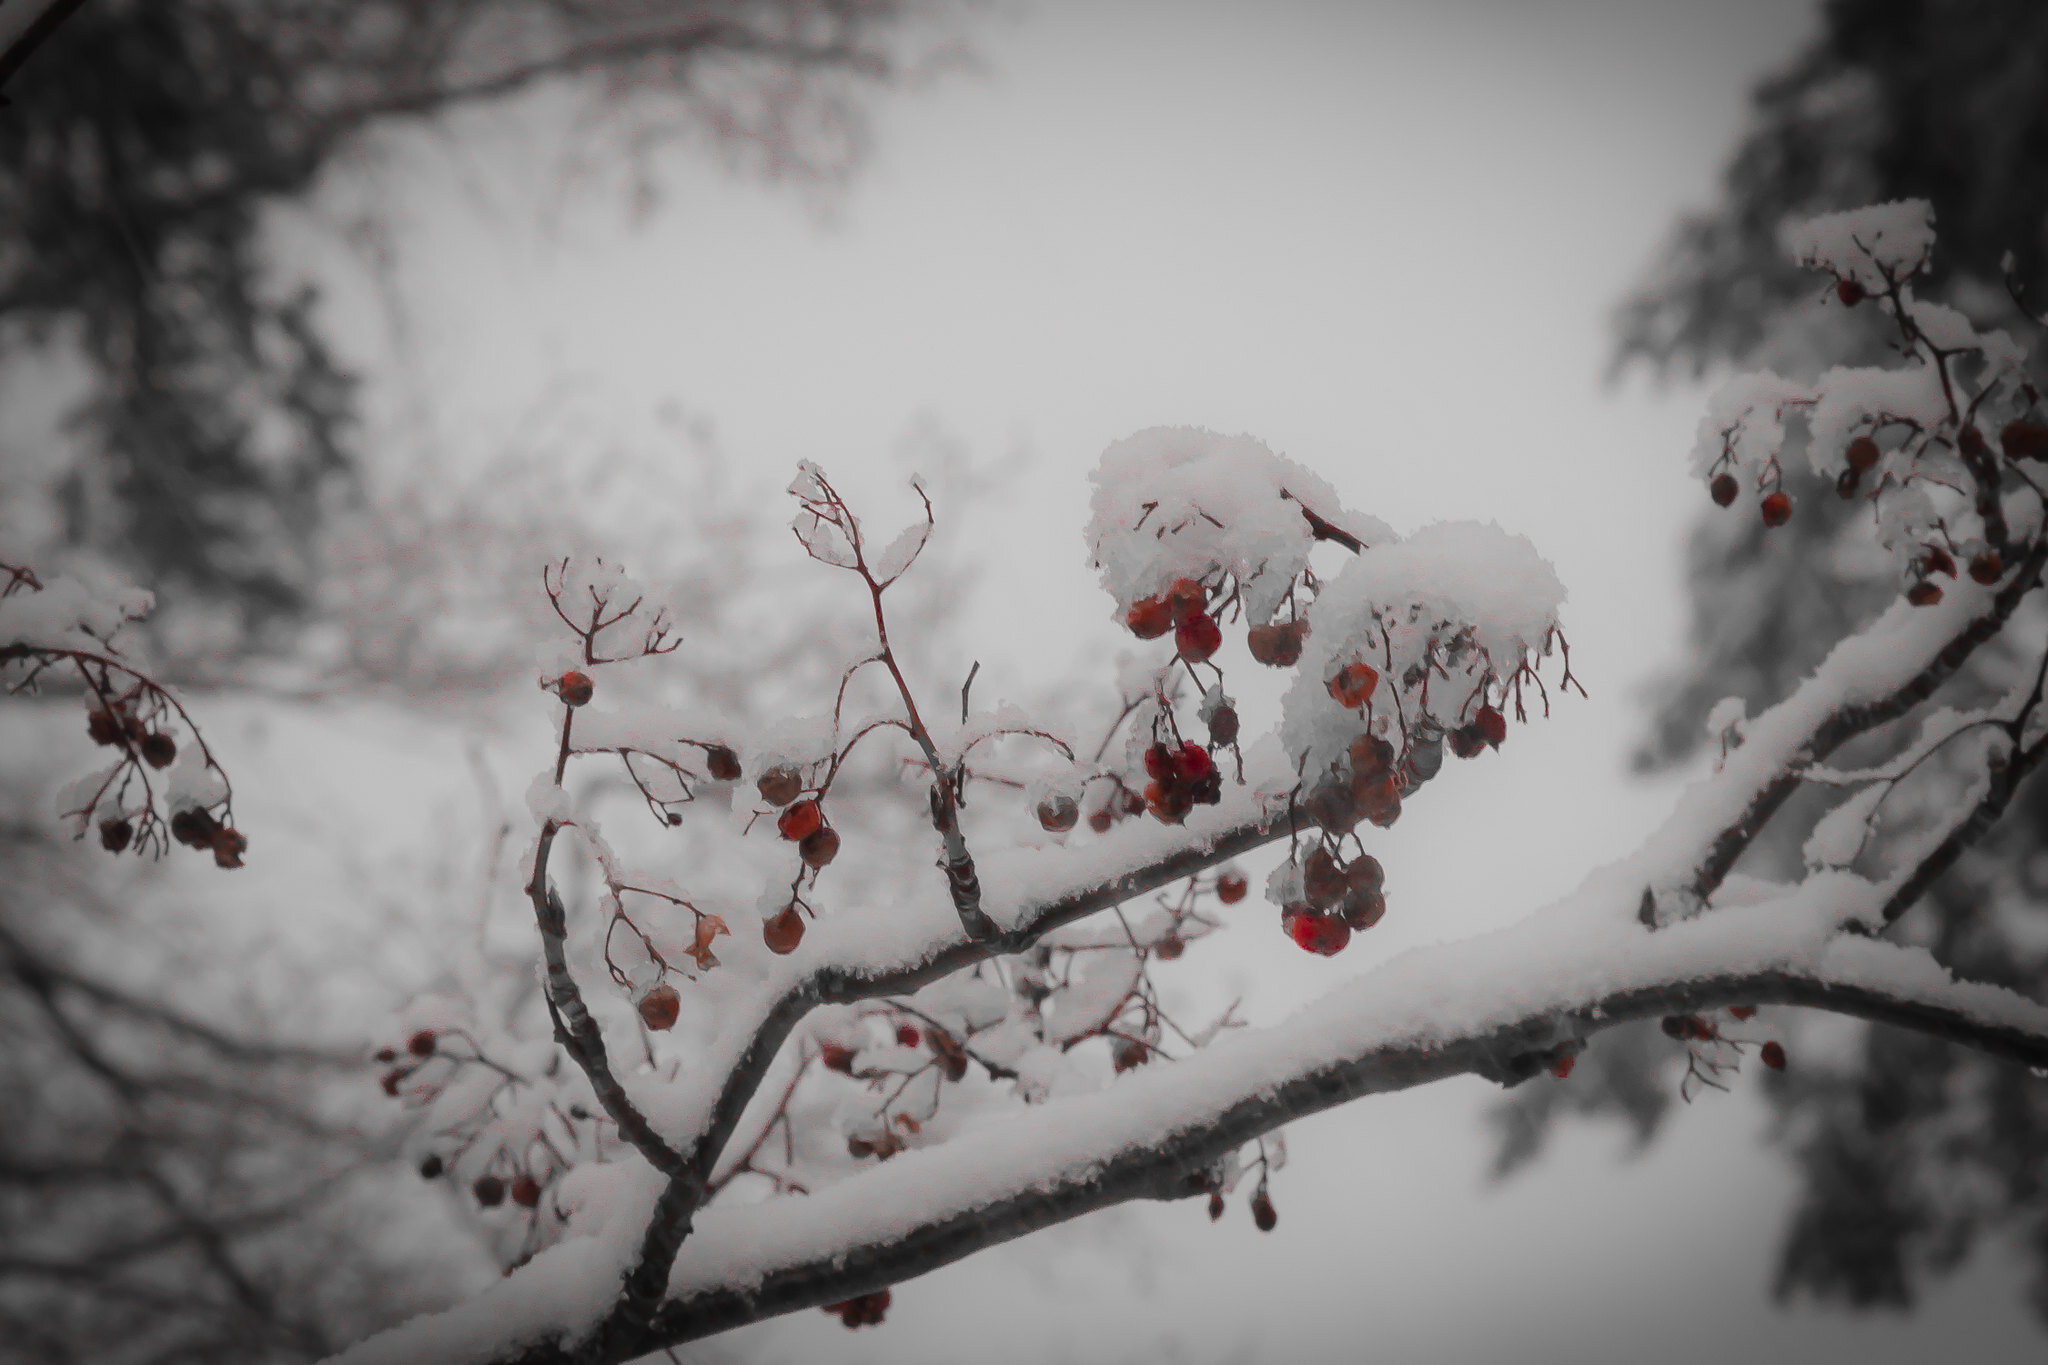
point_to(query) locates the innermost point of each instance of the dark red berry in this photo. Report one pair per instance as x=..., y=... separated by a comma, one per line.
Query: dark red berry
x=722, y=763
x=421, y=1044
x=104, y=727
x=1924, y=594
x=228, y=847
x=1262, y=1211
x=526, y=1192
x=1723, y=489
x=1492, y=725
x=1058, y=813
x=780, y=785
x=489, y=1191
x=1777, y=509
x=1192, y=764
x=115, y=834
x=1231, y=887
x=1197, y=636
x=1862, y=454
x=1561, y=1065
x=1773, y=1055
x=1846, y=482
x=387, y=1055
x=660, y=1007
x=1742, y=1012
x=800, y=821
x=1987, y=568
x=783, y=930
x=575, y=688
x=819, y=847
x=2024, y=441
x=1100, y=821
x=158, y=749
x=1320, y=932
x=1223, y=726
x=1215, y=1206
x=1277, y=645
x=1149, y=617
x=1937, y=560
x=1970, y=440
x=836, y=1058
x=908, y=1036
x=1849, y=292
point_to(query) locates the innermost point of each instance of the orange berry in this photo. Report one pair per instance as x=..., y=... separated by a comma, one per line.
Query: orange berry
x=1354, y=684
x=574, y=688
x=800, y=821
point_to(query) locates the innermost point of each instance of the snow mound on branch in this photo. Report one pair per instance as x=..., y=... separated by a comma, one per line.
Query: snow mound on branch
x=1867, y=245
x=1450, y=613
x=1182, y=502
x=67, y=614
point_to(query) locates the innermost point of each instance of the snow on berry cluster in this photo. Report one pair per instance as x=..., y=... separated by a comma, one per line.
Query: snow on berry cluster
x=1926, y=443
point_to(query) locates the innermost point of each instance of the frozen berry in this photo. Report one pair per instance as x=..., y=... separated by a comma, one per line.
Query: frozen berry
x=1353, y=684
x=431, y=1168
x=1562, y=1064
x=783, y=930
x=1362, y=909
x=1924, y=594
x=1197, y=636
x=1058, y=813
x=800, y=821
x=1970, y=440
x=1129, y=1054
x=819, y=847
x=908, y=1036
x=1223, y=726
x=1846, y=483
x=1365, y=873
x=526, y=1192
x=1192, y=764
x=1262, y=1211
x=1379, y=801
x=836, y=1058
x=1937, y=560
x=1322, y=881
x=1777, y=509
x=1159, y=763
x=1492, y=725
x=2024, y=441
x=1371, y=756
x=421, y=1044
x=1185, y=596
x=115, y=834
x=1169, y=948
x=722, y=763
x=158, y=749
x=489, y=1191
x=1723, y=489
x=1277, y=645
x=1149, y=618
x=780, y=785
x=1862, y=454
x=1215, y=1206
x=1849, y=292
x=391, y=1081
x=1773, y=1055
x=660, y=1007
x=1100, y=821
x=1319, y=932
x=574, y=688
x=1987, y=568
x=1231, y=887
x=1466, y=741
x=387, y=1055
x=228, y=847
x=104, y=727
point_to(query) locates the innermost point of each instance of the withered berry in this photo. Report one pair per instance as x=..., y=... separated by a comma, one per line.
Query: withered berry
x=1924, y=594
x=115, y=834
x=780, y=785
x=819, y=847
x=660, y=1007
x=1058, y=813
x=158, y=749
x=722, y=763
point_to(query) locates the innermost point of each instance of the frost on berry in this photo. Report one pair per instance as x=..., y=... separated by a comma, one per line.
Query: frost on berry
x=1175, y=503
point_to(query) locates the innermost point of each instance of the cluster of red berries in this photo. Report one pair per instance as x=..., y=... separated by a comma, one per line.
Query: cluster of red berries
x=1371, y=792
x=1691, y=1028
x=1337, y=899
x=110, y=726
x=491, y=1191
x=802, y=822
x=1775, y=507
x=1487, y=728
x=864, y=1311
x=1179, y=609
x=1182, y=779
x=194, y=827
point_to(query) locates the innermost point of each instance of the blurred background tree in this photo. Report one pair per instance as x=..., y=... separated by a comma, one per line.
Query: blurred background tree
x=1911, y=1151
x=146, y=143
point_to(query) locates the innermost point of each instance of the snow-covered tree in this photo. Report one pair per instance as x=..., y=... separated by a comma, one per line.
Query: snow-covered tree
x=848, y=996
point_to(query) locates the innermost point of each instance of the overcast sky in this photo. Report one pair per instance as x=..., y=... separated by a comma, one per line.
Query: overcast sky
x=1384, y=239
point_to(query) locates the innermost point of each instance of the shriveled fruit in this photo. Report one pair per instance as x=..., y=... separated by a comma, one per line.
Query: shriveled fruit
x=1924, y=594
x=115, y=834
x=1215, y=1206
x=1938, y=560
x=1332, y=806
x=1371, y=756
x=660, y=1007
x=1168, y=948
x=1987, y=568
x=1466, y=741
x=1365, y=873
x=1353, y=684
x=1492, y=725
x=1129, y=1054
x=819, y=847
x=1223, y=726
x=489, y=1191
x=1777, y=509
x=1362, y=909
x=158, y=749
x=575, y=688
x=783, y=930
x=722, y=764
x=780, y=785
x=1380, y=802
x=800, y=821
x=194, y=827
x=1149, y=617
x=1197, y=636
x=1231, y=887
x=1773, y=1055
x=1862, y=454
x=104, y=727
x=228, y=846
x=1849, y=292
x=2024, y=440
x=1058, y=813
x=526, y=1192
x=1322, y=881
x=1277, y=644
x=1970, y=440
x=1723, y=489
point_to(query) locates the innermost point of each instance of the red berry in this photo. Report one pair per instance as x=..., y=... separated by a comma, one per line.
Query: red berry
x=1380, y=801
x=1371, y=757
x=660, y=1007
x=391, y=1081
x=783, y=930
x=722, y=763
x=158, y=749
x=1223, y=726
x=1058, y=813
x=819, y=847
x=2024, y=441
x=387, y=1055
x=1970, y=440
x=1149, y=617
x=800, y=821
x=1561, y=1065
x=1319, y=932
x=1262, y=1211
x=228, y=847
x=1846, y=482
x=1197, y=636
x=194, y=827
x=1365, y=873
x=574, y=688
x=104, y=727
x=115, y=834
x=1742, y=1012
x=1322, y=881
x=836, y=1058
x=526, y=1192
x=489, y=1191
x=1723, y=489
x=1937, y=560
x=1231, y=887
x=1277, y=645
x=1491, y=724
x=1192, y=764
x=1100, y=820
x=1353, y=684
x=1987, y=568
x=1862, y=454
x=421, y=1044
x=1777, y=509
x=1362, y=909
x=1185, y=596
x=1215, y=1206
x=780, y=785
x=1773, y=1055
x=1159, y=763
x=1849, y=292
x=1169, y=948
x=1466, y=741
x=1924, y=594
x=908, y=1036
